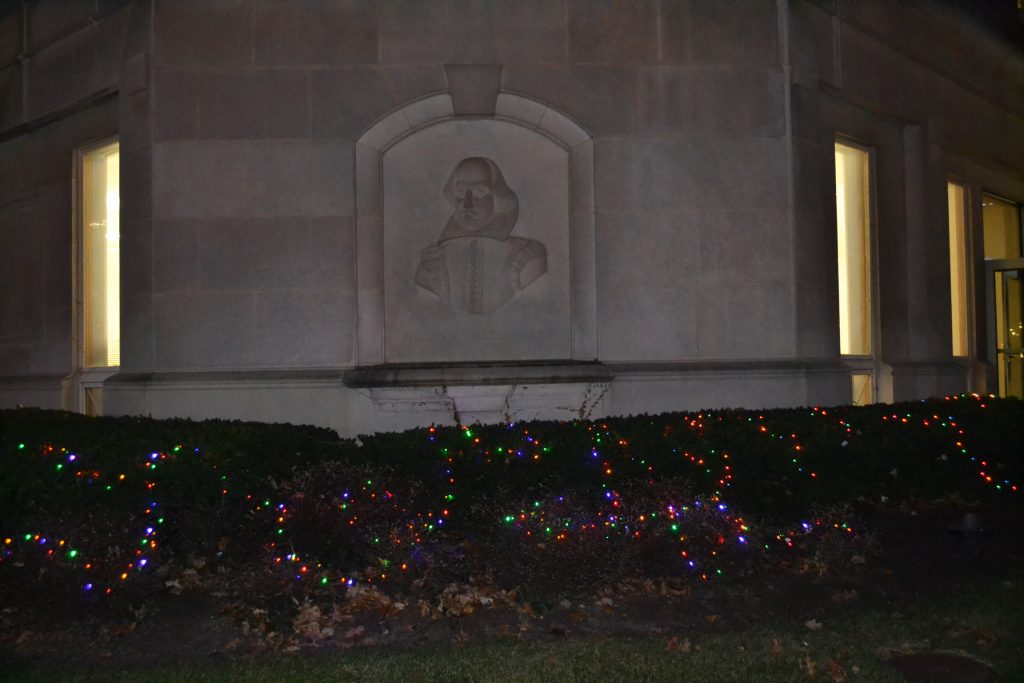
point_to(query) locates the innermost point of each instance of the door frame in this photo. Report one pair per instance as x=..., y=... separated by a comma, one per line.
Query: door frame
x=992, y=266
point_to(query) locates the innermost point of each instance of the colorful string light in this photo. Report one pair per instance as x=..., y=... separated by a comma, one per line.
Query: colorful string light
x=611, y=467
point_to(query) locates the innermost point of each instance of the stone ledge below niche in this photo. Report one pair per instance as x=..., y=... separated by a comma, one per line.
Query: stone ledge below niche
x=485, y=374
x=492, y=403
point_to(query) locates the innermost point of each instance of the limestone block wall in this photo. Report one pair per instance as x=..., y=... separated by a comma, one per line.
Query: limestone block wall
x=256, y=110
x=936, y=95
x=253, y=133
x=697, y=257
x=60, y=70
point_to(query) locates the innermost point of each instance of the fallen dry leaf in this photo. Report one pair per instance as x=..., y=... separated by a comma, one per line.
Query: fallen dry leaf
x=460, y=599
x=190, y=579
x=808, y=666
x=526, y=609
x=340, y=616
x=307, y=622
x=676, y=645
x=982, y=637
x=361, y=598
x=813, y=625
x=123, y=630
x=837, y=672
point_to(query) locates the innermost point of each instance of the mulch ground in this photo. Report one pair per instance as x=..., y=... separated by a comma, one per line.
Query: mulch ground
x=918, y=557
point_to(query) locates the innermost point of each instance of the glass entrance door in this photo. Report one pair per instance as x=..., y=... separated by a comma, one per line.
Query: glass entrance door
x=1009, y=305
x=1004, y=276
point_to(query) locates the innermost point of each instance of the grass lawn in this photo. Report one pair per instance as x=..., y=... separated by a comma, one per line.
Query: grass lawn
x=985, y=623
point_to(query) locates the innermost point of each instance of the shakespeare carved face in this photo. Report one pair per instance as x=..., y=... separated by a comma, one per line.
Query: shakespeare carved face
x=476, y=264
x=478, y=193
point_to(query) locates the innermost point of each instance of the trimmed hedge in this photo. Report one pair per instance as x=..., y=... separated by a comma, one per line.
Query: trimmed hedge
x=520, y=502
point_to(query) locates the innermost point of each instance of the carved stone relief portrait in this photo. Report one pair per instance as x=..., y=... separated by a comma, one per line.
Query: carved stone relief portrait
x=476, y=265
x=475, y=245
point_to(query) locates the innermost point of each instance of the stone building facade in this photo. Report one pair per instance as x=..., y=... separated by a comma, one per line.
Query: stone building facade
x=372, y=215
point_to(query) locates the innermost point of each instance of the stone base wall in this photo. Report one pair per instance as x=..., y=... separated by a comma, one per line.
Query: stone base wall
x=324, y=399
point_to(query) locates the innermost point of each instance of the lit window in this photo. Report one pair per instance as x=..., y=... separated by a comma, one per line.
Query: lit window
x=863, y=388
x=100, y=257
x=853, y=233
x=958, y=267
x=1001, y=224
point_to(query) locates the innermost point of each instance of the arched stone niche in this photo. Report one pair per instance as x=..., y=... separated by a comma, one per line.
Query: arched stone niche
x=475, y=236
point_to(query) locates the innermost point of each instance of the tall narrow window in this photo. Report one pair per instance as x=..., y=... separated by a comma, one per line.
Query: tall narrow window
x=958, y=267
x=1001, y=225
x=100, y=257
x=853, y=226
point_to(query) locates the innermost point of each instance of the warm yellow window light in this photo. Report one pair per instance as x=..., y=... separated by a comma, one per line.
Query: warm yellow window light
x=101, y=235
x=1001, y=227
x=1002, y=240
x=863, y=388
x=958, y=267
x=853, y=237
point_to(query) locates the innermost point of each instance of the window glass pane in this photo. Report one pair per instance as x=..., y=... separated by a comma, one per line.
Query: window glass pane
x=1001, y=227
x=863, y=388
x=853, y=217
x=1009, y=347
x=93, y=401
x=101, y=233
x=958, y=267
x=1001, y=224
